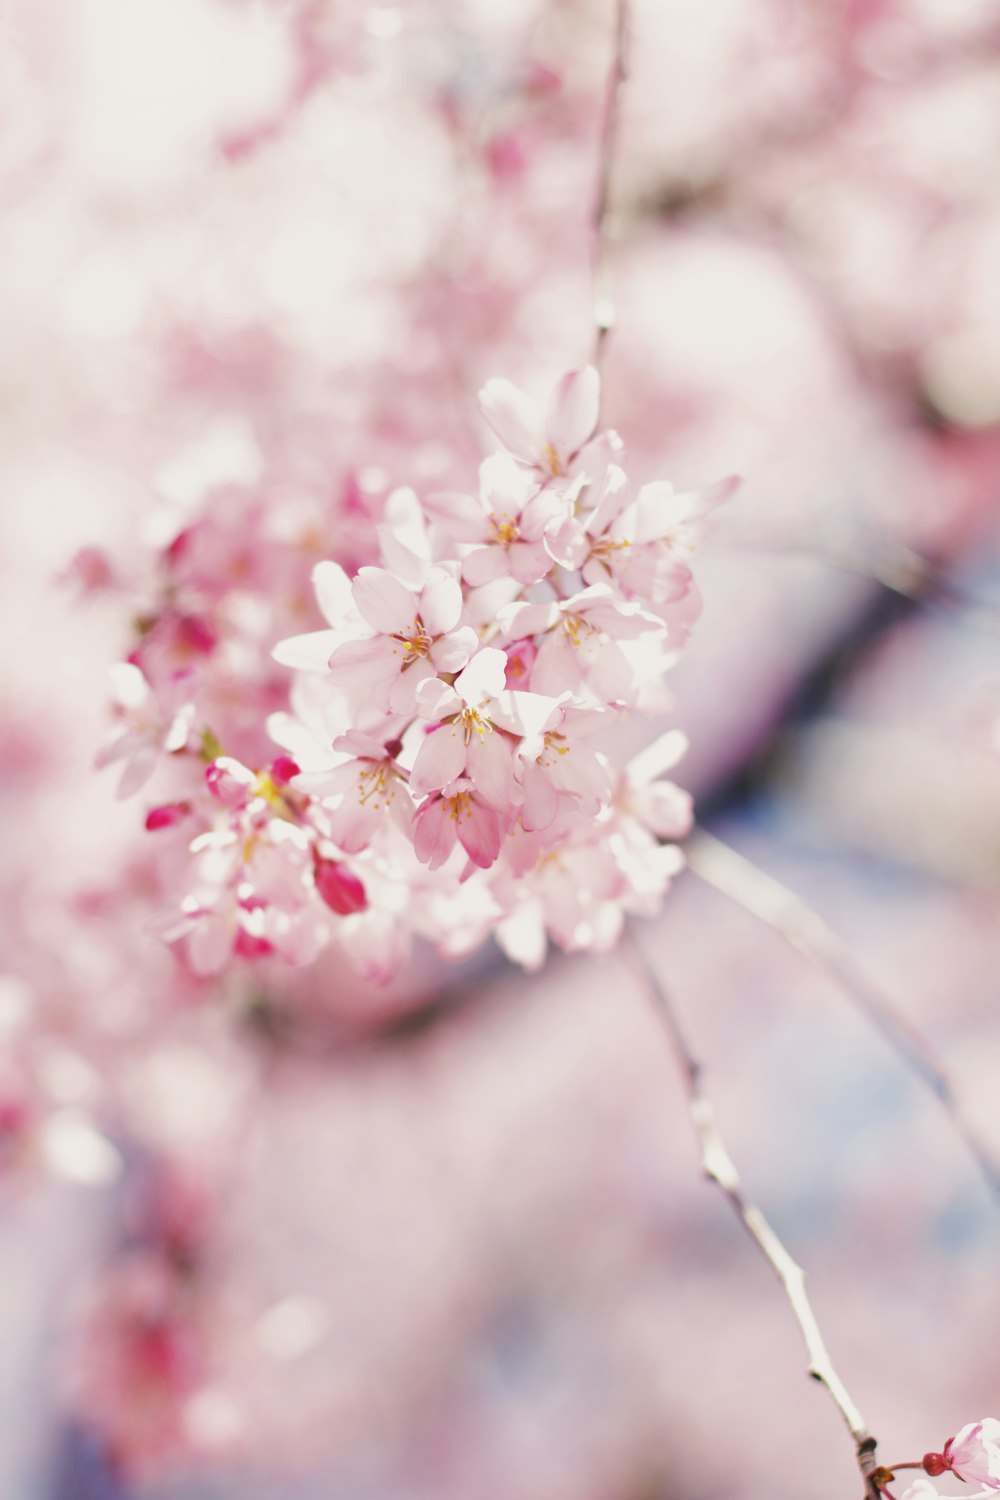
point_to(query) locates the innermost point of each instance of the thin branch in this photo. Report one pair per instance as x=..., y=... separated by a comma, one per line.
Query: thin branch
x=772, y=903
x=719, y=1168
x=889, y=563
x=604, y=306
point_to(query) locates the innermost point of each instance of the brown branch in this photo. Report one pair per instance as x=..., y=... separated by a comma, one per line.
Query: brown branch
x=719, y=1168
x=604, y=307
x=772, y=903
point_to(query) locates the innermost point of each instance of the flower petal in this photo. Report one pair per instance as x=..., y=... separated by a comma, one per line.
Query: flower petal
x=440, y=603
x=386, y=605
x=440, y=760
x=514, y=418
x=484, y=677
x=573, y=411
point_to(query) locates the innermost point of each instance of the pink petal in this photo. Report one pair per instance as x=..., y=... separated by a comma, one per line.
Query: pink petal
x=517, y=620
x=386, y=605
x=611, y=502
x=461, y=516
x=480, y=832
x=574, y=410
x=308, y=653
x=484, y=677
x=371, y=664
x=484, y=564
x=433, y=832
x=514, y=419
x=452, y=651
x=580, y=772
x=490, y=766
x=333, y=592
x=137, y=772
x=541, y=800
x=441, y=603
x=436, y=699
x=504, y=488
x=440, y=760
x=403, y=690
x=528, y=561
x=353, y=824
x=567, y=543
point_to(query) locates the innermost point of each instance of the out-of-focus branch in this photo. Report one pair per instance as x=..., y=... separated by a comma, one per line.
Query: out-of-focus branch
x=604, y=306
x=770, y=901
x=891, y=564
x=719, y=1168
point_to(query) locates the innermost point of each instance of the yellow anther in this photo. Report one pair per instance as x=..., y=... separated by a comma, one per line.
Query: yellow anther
x=551, y=460
x=505, y=531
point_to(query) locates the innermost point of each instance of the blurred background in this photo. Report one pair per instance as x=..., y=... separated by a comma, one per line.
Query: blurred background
x=294, y=1235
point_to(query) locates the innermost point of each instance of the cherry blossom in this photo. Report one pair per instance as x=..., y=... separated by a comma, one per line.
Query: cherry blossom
x=551, y=437
x=152, y=725
x=412, y=636
x=973, y=1455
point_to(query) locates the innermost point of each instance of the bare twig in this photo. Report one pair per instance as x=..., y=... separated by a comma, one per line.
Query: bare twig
x=719, y=1168
x=767, y=899
x=604, y=306
x=889, y=563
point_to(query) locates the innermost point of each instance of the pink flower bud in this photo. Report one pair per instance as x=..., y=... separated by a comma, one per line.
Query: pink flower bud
x=283, y=769
x=340, y=889
x=167, y=815
x=247, y=945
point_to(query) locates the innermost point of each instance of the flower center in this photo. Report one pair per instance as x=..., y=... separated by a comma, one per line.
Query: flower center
x=376, y=780
x=473, y=722
x=555, y=744
x=551, y=461
x=576, y=627
x=416, y=641
x=460, y=806
x=505, y=531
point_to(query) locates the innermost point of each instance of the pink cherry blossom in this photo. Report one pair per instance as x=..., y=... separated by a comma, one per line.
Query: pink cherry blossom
x=459, y=816
x=548, y=438
x=152, y=725
x=367, y=788
x=506, y=524
x=644, y=543
x=412, y=637
x=579, y=648
x=469, y=740
x=974, y=1453
x=557, y=762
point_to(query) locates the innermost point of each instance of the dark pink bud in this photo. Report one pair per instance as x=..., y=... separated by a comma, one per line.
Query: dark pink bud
x=283, y=769
x=935, y=1464
x=339, y=887
x=166, y=815
x=196, y=635
x=179, y=545
x=247, y=945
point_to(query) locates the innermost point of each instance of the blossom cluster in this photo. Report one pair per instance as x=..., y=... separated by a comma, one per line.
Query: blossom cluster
x=443, y=768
